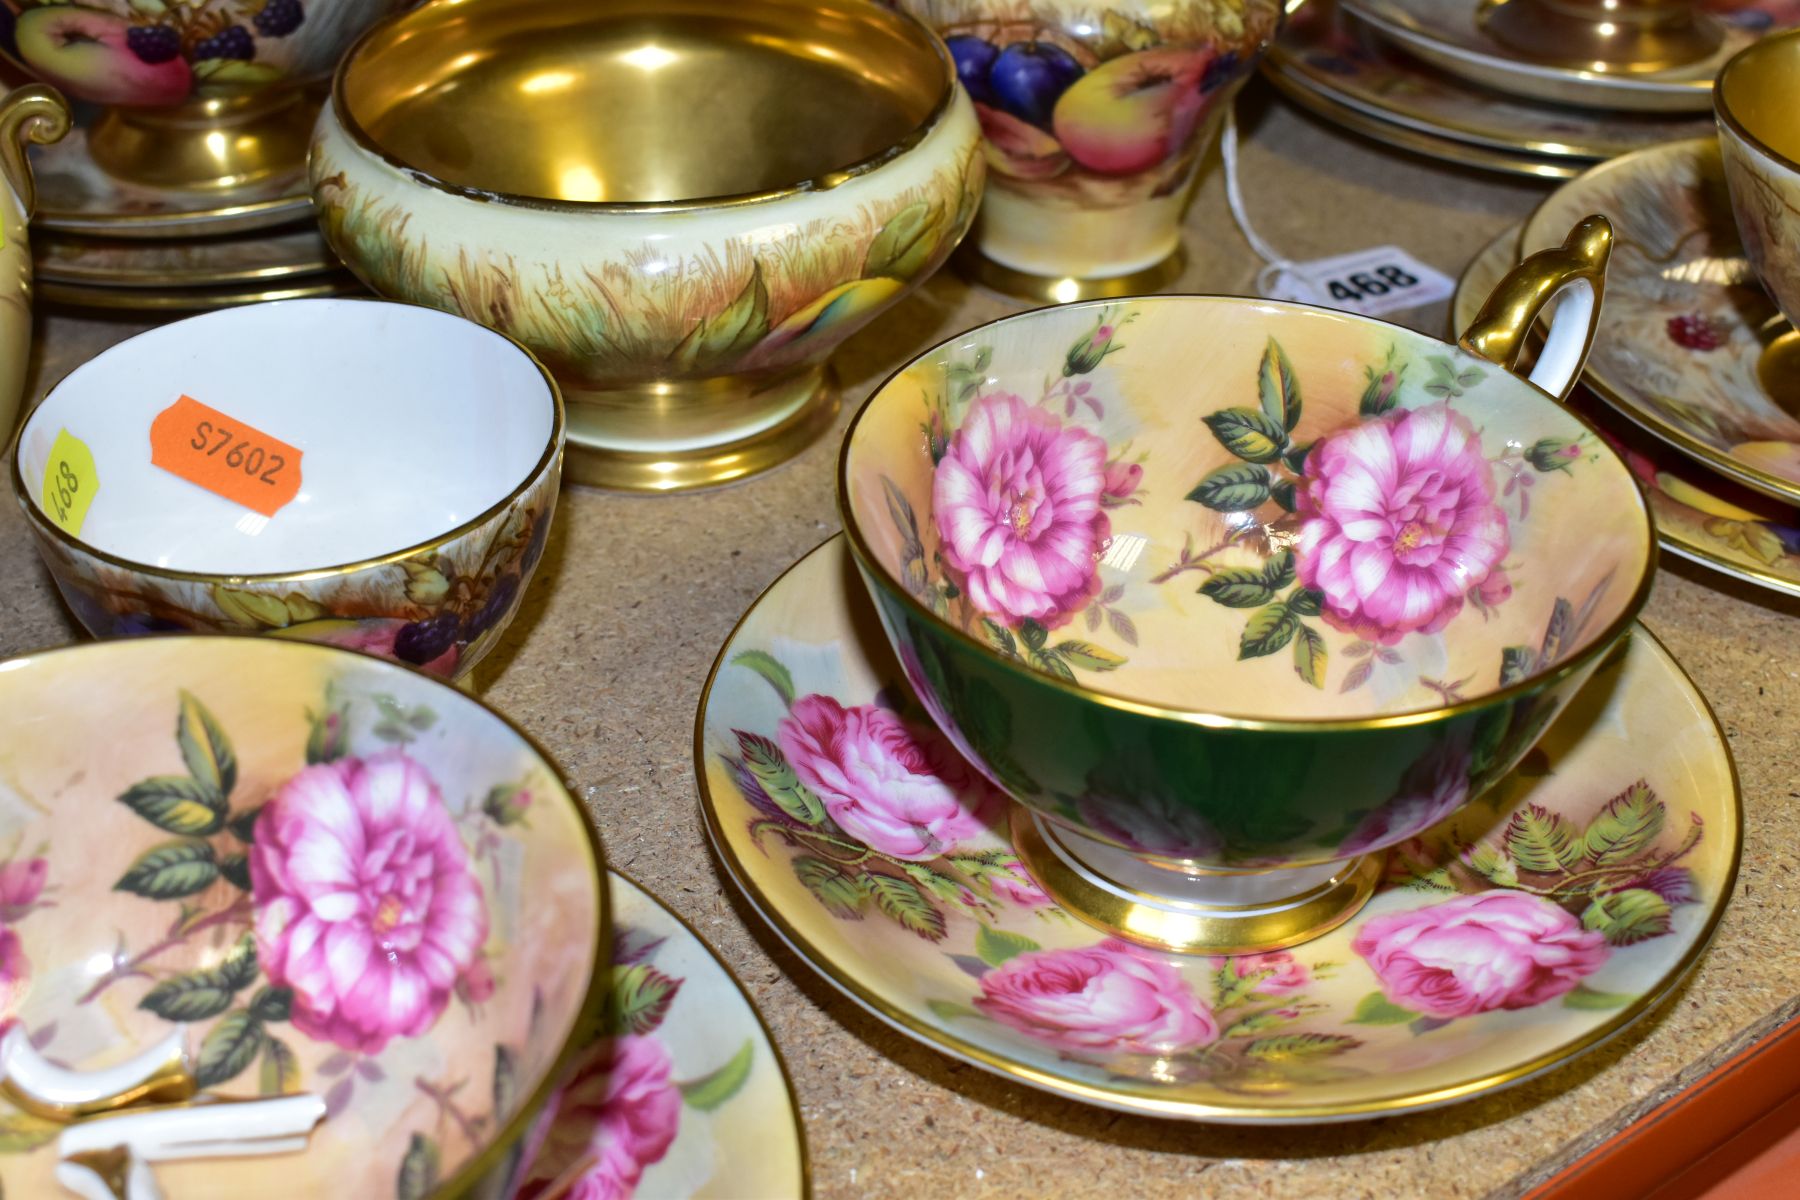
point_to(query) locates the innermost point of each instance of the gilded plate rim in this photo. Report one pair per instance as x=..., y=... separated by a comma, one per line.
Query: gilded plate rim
x=1283, y=57
x=1695, y=90
x=193, y=300
x=947, y=1043
x=298, y=266
x=1301, y=91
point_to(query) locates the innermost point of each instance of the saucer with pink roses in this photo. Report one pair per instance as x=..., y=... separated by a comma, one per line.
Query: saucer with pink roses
x=684, y=1094
x=1530, y=926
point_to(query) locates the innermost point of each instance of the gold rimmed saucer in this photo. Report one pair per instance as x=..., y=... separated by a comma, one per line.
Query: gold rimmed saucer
x=1688, y=341
x=195, y=299
x=1449, y=35
x=167, y=264
x=1334, y=56
x=1597, y=872
x=1699, y=515
x=1322, y=104
x=697, y=1071
x=76, y=196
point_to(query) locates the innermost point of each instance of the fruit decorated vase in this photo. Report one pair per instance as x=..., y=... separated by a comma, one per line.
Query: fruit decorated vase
x=197, y=93
x=1096, y=120
x=38, y=114
x=771, y=176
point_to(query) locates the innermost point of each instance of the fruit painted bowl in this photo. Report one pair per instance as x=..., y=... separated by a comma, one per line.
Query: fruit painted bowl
x=37, y=114
x=770, y=175
x=197, y=94
x=370, y=475
x=341, y=877
x=1095, y=129
x=1231, y=594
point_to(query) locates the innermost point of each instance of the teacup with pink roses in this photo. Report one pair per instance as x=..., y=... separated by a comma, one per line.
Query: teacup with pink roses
x=1229, y=594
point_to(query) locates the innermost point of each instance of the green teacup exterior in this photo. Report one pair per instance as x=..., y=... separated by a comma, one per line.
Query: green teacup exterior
x=1249, y=584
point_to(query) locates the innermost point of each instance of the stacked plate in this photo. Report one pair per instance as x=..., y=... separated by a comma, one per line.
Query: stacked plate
x=102, y=244
x=1693, y=371
x=1422, y=75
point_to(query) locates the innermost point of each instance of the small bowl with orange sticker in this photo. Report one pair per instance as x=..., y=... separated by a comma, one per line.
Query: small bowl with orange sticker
x=365, y=474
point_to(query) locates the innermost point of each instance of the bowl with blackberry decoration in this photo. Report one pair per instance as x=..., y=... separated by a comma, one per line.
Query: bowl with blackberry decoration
x=1230, y=613
x=366, y=474
x=323, y=881
x=1095, y=125
x=771, y=176
x=196, y=94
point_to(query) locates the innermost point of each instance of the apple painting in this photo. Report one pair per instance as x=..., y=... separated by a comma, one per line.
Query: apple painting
x=87, y=53
x=1135, y=111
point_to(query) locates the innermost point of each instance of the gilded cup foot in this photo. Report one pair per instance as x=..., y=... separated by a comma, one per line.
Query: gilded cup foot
x=1064, y=289
x=217, y=144
x=1227, y=912
x=1778, y=368
x=631, y=440
x=1597, y=35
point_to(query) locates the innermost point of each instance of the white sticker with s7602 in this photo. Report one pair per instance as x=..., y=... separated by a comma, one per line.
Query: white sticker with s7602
x=1370, y=282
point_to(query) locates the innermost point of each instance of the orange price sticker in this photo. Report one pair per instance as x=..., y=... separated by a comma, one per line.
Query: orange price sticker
x=225, y=456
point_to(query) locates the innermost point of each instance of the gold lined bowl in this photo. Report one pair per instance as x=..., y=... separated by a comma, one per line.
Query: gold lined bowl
x=682, y=209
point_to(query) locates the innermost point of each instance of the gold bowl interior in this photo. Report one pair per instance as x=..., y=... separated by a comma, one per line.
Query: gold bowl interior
x=1758, y=91
x=641, y=101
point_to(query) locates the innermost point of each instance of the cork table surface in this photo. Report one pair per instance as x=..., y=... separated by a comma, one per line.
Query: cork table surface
x=605, y=663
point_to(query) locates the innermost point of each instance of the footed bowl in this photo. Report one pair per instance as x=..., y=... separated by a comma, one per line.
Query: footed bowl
x=390, y=473
x=682, y=209
x=1232, y=594
x=207, y=95
x=334, y=875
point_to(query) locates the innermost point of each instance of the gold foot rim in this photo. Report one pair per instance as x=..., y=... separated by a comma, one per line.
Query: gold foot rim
x=594, y=465
x=1540, y=33
x=975, y=266
x=1216, y=931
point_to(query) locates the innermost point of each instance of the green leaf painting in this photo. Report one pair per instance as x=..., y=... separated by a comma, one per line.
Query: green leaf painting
x=770, y=668
x=1277, y=388
x=176, y=804
x=1248, y=434
x=206, y=751
x=1238, y=487
x=170, y=871
x=228, y=1048
x=713, y=1089
x=995, y=946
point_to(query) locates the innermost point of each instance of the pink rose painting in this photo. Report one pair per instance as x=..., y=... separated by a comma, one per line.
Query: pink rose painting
x=366, y=906
x=1151, y=822
x=1398, y=523
x=1104, y=999
x=1018, y=503
x=15, y=977
x=21, y=883
x=1478, y=953
x=1430, y=791
x=897, y=788
x=1274, y=974
x=1012, y=885
x=618, y=1114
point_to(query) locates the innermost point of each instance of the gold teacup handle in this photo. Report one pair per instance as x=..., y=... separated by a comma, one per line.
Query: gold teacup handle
x=1578, y=266
x=36, y=113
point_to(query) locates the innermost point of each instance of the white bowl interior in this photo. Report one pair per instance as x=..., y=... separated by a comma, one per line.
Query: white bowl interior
x=410, y=422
